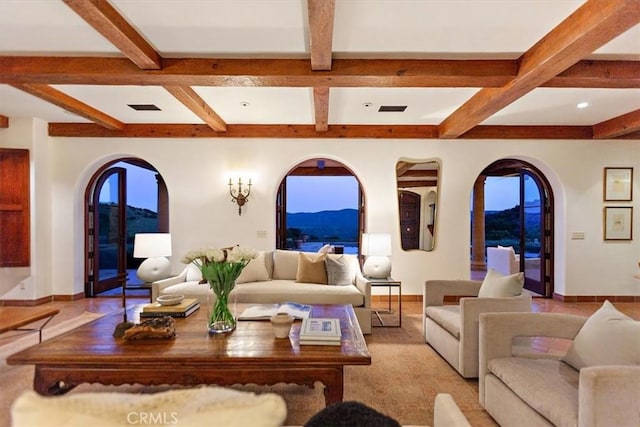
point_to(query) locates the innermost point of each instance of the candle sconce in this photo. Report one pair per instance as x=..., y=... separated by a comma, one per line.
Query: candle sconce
x=239, y=195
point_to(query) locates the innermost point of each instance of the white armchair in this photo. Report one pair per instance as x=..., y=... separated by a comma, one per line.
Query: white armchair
x=452, y=330
x=503, y=260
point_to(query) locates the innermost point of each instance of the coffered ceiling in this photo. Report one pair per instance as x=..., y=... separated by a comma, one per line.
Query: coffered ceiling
x=504, y=69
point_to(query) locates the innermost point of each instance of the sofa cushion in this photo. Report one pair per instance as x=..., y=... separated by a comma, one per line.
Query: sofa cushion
x=338, y=271
x=311, y=268
x=447, y=317
x=285, y=264
x=608, y=337
x=255, y=271
x=185, y=407
x=496, y=285
x=279, y=291
x=549, y=386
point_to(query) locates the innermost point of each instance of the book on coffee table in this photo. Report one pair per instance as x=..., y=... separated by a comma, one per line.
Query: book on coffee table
x=265, y=311
x=320, y=331
x=183, y=309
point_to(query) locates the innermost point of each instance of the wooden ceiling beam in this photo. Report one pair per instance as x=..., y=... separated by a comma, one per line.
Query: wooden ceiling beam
x=321, y=108
x=321, y=14
x=4, y=122
x=258, y=72
x=588, y=28
x=617, y=126
x=71, y=104
x=105, y=19
x=415, y=184
x=296, y=72
x=420, y=173
x=158, y=130
x=198, y=106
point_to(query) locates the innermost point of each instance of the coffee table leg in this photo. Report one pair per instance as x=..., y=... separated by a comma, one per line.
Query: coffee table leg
x=333, y=387
x=49, y=383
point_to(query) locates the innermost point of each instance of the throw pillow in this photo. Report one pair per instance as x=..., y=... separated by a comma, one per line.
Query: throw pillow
x=496, y=285
x=608, y=337
x=326, y=249
x=349, y=414
x=255, y=271
x=193, y=273
x=338, y=271
x=191, y=407
x=311, y=268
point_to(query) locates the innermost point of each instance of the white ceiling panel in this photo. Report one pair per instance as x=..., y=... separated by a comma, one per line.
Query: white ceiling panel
x=211, y=27
x=261, y=105
x=19, y=104
x=558, y=106
x=37, y=27
x=424, y=106
x=114, y=100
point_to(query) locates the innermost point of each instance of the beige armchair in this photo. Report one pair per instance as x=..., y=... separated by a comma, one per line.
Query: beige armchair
x=452, y=330
x=540, y=387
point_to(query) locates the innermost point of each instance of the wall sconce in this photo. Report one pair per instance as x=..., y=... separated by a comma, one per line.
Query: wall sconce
x=238, y=195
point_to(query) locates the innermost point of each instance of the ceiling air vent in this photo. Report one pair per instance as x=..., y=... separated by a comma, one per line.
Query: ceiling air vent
x=392, y=108
x=144, y=107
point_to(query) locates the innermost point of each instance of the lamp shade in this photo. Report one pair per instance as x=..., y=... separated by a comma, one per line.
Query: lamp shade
x=376, y=244
x=151, y=245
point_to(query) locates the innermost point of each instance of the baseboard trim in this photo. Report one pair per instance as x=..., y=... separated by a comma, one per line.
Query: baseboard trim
x=42, y=300
x=596, y=298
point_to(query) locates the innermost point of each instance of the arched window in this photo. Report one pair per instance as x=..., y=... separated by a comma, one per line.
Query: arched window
x=320, y=202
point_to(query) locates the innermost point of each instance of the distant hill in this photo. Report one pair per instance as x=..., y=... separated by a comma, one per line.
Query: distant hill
x=341, y=225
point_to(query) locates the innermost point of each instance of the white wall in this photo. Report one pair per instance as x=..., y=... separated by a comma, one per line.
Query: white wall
x=201, y=213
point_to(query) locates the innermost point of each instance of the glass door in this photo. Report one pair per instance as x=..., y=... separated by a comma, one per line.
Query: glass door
x=107, y=253
x=532, y=237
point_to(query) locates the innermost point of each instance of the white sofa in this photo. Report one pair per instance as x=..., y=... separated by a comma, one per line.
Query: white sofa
x=503, y=259
x=271, y=279
x=543, y=388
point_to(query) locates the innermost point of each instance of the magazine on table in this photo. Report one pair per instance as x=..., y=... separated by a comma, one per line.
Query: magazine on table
x=183, y=309
x=265, y=311
x=320, y=329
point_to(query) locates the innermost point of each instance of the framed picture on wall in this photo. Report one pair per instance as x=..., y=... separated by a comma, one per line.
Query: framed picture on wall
x=618, y=184
x=618, y=222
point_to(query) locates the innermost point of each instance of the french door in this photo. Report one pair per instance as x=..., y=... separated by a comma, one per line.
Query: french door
x=107, y=260
x=534, y=233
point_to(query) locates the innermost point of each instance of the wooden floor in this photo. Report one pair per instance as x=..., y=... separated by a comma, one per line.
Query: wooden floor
x=71, y=309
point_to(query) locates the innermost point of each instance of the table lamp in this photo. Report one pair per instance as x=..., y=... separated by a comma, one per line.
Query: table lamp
x=155, y=247
x=377, y=248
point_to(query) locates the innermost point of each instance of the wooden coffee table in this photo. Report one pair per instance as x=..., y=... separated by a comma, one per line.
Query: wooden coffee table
x=251, y=354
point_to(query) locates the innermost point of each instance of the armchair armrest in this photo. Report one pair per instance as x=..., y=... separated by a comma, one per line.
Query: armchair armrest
x=434, y=291
x=159, y=285
x=497, y=331
x=609, y=395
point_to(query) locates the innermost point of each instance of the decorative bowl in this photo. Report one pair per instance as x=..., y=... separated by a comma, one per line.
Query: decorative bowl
x=169, y=299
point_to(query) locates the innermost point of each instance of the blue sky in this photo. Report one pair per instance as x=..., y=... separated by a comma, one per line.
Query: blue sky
x=326, y=193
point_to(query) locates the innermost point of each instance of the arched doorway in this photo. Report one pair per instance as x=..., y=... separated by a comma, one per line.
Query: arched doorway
x=343, y=225
x=527, y=226
x=124, y=197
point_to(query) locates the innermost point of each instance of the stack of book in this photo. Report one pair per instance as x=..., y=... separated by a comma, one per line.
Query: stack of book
x=184, y=309
x=320, y=331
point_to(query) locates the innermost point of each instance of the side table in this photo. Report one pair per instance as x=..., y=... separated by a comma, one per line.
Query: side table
x=390, y=283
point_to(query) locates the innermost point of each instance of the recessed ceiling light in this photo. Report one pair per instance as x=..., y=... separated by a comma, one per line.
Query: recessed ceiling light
x=583, y=105
x=244, y=104
x=367, y=104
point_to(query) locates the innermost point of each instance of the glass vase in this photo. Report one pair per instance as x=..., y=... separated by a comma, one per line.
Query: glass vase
x=220, y=319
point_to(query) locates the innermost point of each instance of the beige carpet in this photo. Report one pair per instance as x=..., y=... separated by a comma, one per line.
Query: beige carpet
x=402, y=381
